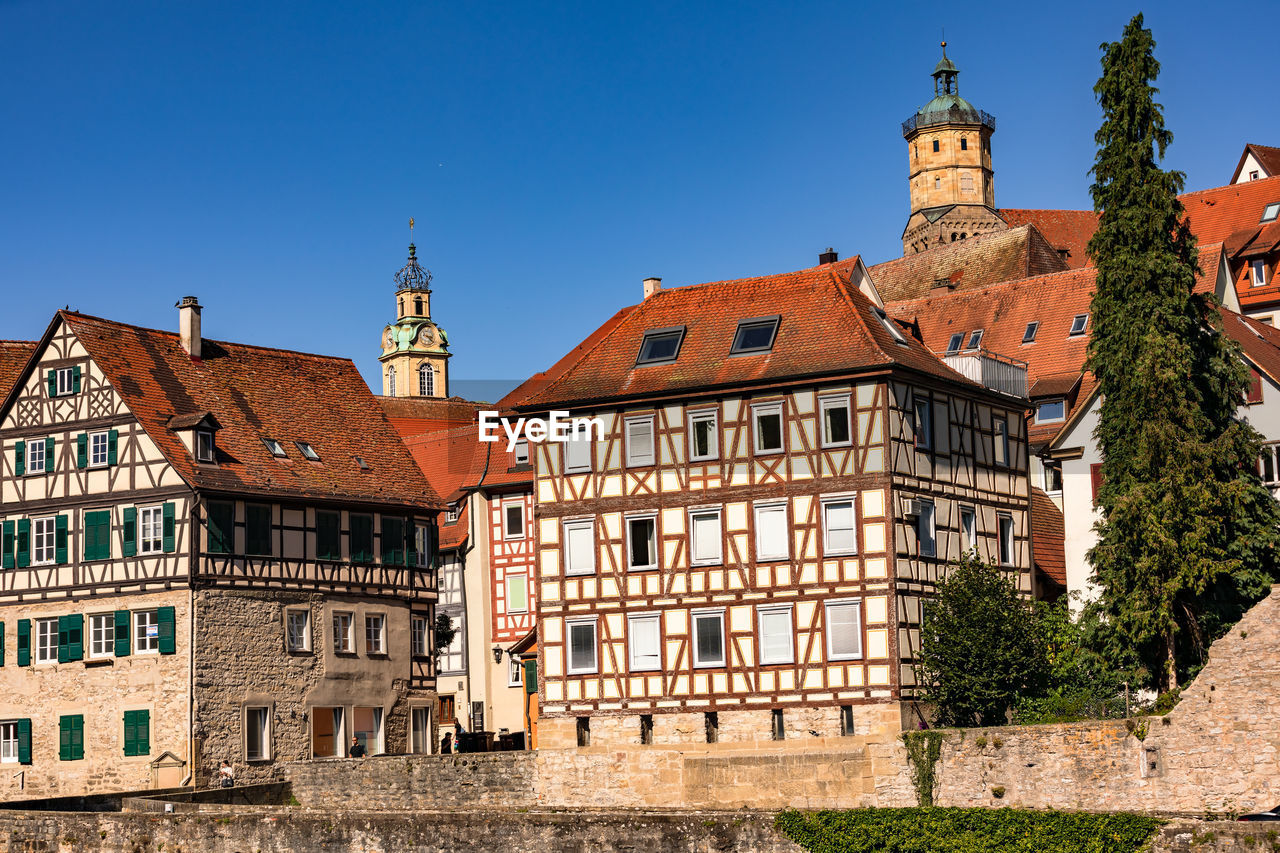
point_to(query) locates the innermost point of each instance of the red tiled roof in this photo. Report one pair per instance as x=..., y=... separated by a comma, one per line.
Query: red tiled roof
x=1047, y=537
x=1064, y=229
x=979, y=261
x=1260, y=342
x=827, y=327
x=13, y=357
x=448, y=458
x=1267, y=157
x=1219, y=213
x=416, y=415
x=256, y=392
x=454, y=534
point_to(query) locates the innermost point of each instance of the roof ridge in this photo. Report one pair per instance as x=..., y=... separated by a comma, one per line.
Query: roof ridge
x=817, y=269
x=1237, y=187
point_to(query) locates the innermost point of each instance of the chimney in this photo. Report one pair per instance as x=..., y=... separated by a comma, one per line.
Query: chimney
x=652, y=285
x=189, y=325
x=830, y=256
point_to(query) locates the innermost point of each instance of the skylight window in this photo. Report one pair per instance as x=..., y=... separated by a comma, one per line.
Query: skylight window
x=1029, y=336
x=975, y=340
x=953, y=345
x=889, y=324
x=276, y=448
x=364, y=466
x=755, y=335
x=1270, y=212
x=1078, y=324
x=660, y=346
x=308, y=452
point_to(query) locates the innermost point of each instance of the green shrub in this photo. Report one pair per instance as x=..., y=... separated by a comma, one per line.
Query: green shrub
x=965, y=831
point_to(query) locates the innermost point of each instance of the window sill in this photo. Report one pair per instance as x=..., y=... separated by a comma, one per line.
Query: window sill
x=843, y=658
x=839, y=554
x=778, y=663
x=378, y=655
x=702, y=460
x=343, y=654
x=838, y=446
x=638, y=569
x=785, y=559
x=707, y=564
x=94, y=662
x=780, y=450
x=299, y=652
x=711, y=665
x=580, y=573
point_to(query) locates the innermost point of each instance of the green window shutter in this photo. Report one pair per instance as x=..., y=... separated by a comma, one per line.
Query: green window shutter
x=137, y=732
x=530, y=677
x=130, y=531
x=130, y=733
x=222, y=528
x=168, y=644
x=144, y=732
x=170, y=539
x=328, y=535
x=7, y=545
x=24, y=642
x=64, y=738
x=97, y=532
x=123, y=645
x=392, y=541
x=24, y=741
x=75, y=379
x=20, y=458
x=75, y=636
x=113, y=438
x=82, y=450
x=48, y=455
x=257, y=520
x=53, y=383
x=90, y=536
x=63, y=644
x=1, y=643
x=361, y=538
x=60, y=540
x=24, y=542
x=410, y=543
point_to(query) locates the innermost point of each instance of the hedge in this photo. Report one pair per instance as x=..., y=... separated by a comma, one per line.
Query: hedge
x=926, y=830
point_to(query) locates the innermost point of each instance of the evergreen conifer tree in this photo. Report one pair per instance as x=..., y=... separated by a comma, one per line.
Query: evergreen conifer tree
x=1187, y=539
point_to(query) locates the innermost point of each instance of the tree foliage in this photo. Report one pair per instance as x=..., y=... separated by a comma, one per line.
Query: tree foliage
x=1187, y=538
x=444, y=631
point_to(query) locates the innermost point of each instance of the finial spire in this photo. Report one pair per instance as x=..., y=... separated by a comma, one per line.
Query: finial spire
x=412, y=276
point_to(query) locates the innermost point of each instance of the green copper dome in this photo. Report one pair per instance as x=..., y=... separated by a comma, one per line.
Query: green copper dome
x=947, y=107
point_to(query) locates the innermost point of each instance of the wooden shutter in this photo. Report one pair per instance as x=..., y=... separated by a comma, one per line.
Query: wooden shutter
x=24, y=543
x=361, y=538
x=82, y=450
x=130, y=733
x=392, y=541
x=257, y=520
x=113, y=439
x=71, y=737
x=1253, y=393
x=48, y=455
x=130, y=531
x=530, y=677
x=1, y=643
x=75, y=636
x=221, y=522
x=410, y=543
x=8, y=545
x=24, y=741
x=60, y=540
x=170, y=539
x=75, y=379
x=24, y=642
x=168, y=644
x=1095, y=478
x=63, y=643
x=123, y=644
x=97, y=535
x=20, y=458
x=328, y=536
x=53, y=383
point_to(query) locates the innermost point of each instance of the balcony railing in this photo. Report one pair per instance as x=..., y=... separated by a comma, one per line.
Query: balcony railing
x=991, y=370
x=952, y=116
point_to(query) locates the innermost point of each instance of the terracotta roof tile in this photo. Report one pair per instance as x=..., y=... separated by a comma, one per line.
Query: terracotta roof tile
x=13, y=358
x=415, y=415
x=1047, y=537
x=1068, y=230
x=1219, y=213
x=448, y=458
x=1260, y=342
x=1267, y=156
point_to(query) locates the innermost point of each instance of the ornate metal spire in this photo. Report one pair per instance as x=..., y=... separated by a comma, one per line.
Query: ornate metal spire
x=412, y=276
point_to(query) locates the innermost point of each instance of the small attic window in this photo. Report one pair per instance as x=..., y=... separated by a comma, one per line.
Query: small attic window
x=1078, y=324
x=660, y=346
x=276, y=448
x=755, y=335
x=308, y=452
x=363, y=465
x=1270, y=212
x=889, y=324
x=953, y=345
x=521, y=452
x=1029, y=336
x=204, y=445
x=975, y=340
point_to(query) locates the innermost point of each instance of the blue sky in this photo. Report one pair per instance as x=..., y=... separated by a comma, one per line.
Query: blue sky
x=266, y=157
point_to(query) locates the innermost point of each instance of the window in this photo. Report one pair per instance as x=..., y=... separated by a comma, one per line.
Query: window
x=644, y=643
x=1029, y=336
x=704, y=437
x=297, y=630
x=835, y=421
x=755, y=335
x=393, y=541
x=426, y=381
x=453, y=657
x=1270, y=212
x=582, y=646
x=1078, y=324
x=935, y=146
x=925, y=531
x=937, y=182
x=660, y=346
x=43, y=540
x=102, y=635
x=846, y=720
x=844, y=630
x=146, y=631
x=642, y=542
x=1001, y=441
x=375, y=634
x=71, y=737
x=420, y=730
x=344, y=642
x=639, y=441
x=767, y=421
x=515, y=671
x=778, y=724
x=204, y=445
x=276, y=448
x=646, y=728
x=513, y=520
x=367, y=728
x=964, y=143
x=839, y=535
x=577, y=452
x=1050, y=411
x=391, y=381
x=771, y=532
x=968, y=529
x=9, y=742
x=328, y=535
x=708, y=639
x=579, y=547
x=704, y=530
x=257, y=734
x=418, y=636
x=923, y=410
x=65, y=381
x=1258, y=272
x=99, y=449
x=1253, y=175
x=46, y=640
x=584, y=731
x=361, y=463
x=151, y=540
x=257, y=528
x=308, y=452
x=777, y=642
x=451, y=515
x=521, y=452
x=889, y=325
x=711, y=723
x=137, y=732
x=1052, y=477
x=37, y=455
x=1095, y=480
x=975, y=339
x=518, y=593
x=1006, y=539
x=1267, y=468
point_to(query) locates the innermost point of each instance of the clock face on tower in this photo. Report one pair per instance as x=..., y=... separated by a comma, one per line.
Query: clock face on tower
x=426, y=337
x=389, y=340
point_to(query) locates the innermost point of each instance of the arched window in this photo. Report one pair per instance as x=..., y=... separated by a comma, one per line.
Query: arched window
x=391, y=381
x=417, y=306
x=426, y=381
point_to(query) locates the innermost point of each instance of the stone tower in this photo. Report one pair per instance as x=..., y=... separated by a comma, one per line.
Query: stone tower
x=949, y=163
x=415, y=351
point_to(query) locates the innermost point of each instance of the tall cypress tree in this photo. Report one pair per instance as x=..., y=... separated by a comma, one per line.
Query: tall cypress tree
x=1187, y=539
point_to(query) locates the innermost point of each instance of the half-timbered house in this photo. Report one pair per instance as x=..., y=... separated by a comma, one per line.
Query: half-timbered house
x=211, y=550
x=783, y=474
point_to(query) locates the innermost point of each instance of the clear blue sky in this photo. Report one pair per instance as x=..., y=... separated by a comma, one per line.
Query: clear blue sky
x=266, y=157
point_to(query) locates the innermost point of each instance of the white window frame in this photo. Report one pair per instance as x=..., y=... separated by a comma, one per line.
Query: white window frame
x=1004, y=522
x=99, y=449
x=523, y=579
x=391, y=381
x=151, y=529
x=651, y=517
x=420, y=740
x=206, y=448
x=1000, y=441
x=698, y=660
x=264, y=738
x=569, y=625
x=635, y=459
x=418, y=644
x=654, y=622
x=420, y=545
x=9, y=742
x=764, y=611
x=856, y=604
x=833, y=500
x=1051, y=420
x=578, y=452
x=701, y=416
x=44, y=540
x=515, y=671
x=694, y=540
x=375, y=633
x=922, y=420
x=772, y=557
x=827, y=403
x=426, y=381
x=343, y=641
x=969, y=531
x=143, y=643
x=929, y=511
x=1079, y=325
x=304, y=637
x=578, y=524
x=1258, y=272
x=102, y=635
x=35, y=455
x=66, y=381
x=507, y=506
x=521, y=452
x=45, y=640
x=765, y=409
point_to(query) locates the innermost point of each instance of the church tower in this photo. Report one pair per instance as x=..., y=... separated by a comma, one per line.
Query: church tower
x=949, y=167
x=415, y=351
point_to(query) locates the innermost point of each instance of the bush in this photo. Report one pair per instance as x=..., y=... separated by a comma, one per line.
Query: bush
x=965, y=831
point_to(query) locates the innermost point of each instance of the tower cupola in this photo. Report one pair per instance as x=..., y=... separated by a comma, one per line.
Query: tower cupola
x=415, y=351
